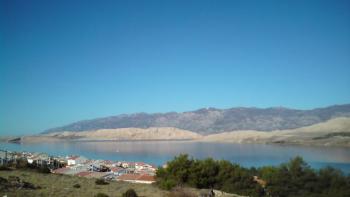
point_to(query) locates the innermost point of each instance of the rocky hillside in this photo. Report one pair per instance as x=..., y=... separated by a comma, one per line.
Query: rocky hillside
x=161, y=133
x=334, y=132
x=211, y=120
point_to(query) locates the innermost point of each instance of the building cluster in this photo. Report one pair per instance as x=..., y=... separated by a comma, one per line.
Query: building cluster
x=135, y=172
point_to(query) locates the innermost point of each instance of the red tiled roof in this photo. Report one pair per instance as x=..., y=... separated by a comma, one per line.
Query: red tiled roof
x=138, y=177
x=146, y=177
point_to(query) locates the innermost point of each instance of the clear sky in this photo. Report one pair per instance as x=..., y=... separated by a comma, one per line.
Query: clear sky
x=63, y=61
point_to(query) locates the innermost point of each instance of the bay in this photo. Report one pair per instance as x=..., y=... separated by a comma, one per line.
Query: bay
x=159, y=152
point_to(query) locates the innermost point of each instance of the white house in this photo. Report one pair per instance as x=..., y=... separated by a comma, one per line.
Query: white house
x=75, y=160
x=30, y=160
x=128, y=165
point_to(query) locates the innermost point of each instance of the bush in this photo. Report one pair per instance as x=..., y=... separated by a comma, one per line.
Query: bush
x=5, y=168
x=76, y=185
x=4, y=184
x=28, y=185
x=14, y=179
x=3, y=181
x=14, y=182
x=101, y=195
x=130, y=193
x=21, y=163
x=45, y=170
x=167, y=184
x=101, y=182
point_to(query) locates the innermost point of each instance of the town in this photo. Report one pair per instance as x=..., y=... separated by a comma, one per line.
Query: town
x=75, y=165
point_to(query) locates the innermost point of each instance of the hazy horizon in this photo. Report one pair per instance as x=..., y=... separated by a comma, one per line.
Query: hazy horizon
x=64, y=61
x=38, y=132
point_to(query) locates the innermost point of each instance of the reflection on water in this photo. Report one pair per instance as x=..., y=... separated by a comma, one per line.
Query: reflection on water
x=158, y=152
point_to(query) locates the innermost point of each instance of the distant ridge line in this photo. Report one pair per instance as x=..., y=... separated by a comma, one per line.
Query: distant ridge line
x=212, y=120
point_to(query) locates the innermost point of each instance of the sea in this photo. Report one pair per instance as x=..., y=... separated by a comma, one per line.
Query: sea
x=159, y=152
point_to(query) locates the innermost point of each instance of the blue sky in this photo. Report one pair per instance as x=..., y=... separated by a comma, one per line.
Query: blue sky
x=64, y=61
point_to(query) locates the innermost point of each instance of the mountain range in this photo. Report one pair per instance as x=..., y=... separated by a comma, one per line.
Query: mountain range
x=208, y=121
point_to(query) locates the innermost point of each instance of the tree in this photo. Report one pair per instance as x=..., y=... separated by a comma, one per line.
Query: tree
x=180, y=168
x=204, y=173
x=294, y=178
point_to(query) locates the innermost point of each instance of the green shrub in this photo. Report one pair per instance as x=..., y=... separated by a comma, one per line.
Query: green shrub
x=3, y=181
x=77, y=185
x=21, y=163
x=130, y=193
x=28, y=185
x=5, y=168
x=101, y=195
x=167, y=184
x=45, y=170
x=101, y=182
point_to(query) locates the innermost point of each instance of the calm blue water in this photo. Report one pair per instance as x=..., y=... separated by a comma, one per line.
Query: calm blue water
x=158, y=152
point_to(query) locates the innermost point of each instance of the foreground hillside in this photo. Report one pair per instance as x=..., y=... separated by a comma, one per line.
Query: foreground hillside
x=56, y=185
x=211, y=120
x=63, y=185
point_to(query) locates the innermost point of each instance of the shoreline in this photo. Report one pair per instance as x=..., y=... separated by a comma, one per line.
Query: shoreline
x=343, y=165
x=49, y=139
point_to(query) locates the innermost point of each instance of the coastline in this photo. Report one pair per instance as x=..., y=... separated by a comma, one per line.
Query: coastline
x=159, y=152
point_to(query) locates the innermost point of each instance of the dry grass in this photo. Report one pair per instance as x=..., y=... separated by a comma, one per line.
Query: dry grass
x=63, y=185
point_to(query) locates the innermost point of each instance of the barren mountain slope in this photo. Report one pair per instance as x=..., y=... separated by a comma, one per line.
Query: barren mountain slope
x=333, y=132
x=162, y=133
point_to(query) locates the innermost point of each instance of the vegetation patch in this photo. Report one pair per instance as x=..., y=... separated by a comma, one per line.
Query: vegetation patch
x=101, y=195
x=101, y=182
x=294, y=178
x=130, y=193
x=77, y=185
x=14, y=182
x=62, y=185
x=5, y=168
